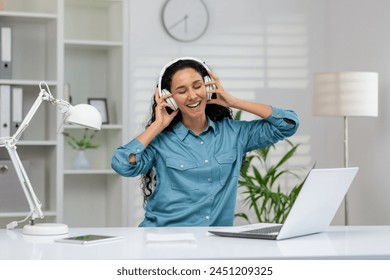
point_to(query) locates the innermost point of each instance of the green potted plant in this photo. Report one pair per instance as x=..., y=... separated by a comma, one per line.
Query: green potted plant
x=261, y=182
x=81, y=144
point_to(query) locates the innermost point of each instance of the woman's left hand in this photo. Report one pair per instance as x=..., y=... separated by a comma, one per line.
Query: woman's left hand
x=223, y=97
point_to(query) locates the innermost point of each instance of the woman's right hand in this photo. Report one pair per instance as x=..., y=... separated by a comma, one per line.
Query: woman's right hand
x=163, y=118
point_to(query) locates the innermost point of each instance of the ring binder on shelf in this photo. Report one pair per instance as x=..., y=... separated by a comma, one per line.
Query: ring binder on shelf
x=6, y=53
x=5, y=107
x=16, y=108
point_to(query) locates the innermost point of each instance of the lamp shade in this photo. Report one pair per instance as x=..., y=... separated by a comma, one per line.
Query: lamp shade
x=346, y=94
x=84, y=115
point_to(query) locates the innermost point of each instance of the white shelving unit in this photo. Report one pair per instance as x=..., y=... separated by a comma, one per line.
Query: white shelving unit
x=81, y=43
x=35, y=57
x=94, y=67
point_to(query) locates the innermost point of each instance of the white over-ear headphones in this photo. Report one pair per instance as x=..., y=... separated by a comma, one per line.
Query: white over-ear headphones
x=163, y=91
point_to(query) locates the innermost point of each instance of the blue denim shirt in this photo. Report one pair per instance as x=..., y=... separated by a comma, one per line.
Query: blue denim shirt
x=197, y=175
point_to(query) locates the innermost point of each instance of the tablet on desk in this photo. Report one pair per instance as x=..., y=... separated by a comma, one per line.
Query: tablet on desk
x=88, y=239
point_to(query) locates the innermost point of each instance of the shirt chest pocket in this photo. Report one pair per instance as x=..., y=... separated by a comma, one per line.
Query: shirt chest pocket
x=226, y=163
x=183, y=174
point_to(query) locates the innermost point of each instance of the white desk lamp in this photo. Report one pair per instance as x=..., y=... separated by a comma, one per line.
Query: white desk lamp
x=346, y=94
x=83, y=115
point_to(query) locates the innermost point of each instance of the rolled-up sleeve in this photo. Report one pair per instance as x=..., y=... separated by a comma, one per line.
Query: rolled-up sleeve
x=278, y=119
x=278, y=126
x=144, y=159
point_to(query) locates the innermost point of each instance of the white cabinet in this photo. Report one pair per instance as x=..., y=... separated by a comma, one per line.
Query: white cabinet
x=78, y=45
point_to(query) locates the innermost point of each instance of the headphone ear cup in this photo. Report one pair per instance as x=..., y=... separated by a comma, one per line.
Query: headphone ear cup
x=169, y=100
x=209, y=87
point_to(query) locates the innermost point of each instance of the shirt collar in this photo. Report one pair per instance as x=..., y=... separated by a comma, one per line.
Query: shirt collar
x=181, y=131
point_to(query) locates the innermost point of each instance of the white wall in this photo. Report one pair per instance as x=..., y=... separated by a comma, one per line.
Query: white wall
x=280, y=44
x=357, y=39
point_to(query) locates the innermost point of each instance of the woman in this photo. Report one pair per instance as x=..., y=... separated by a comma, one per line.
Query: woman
x=190, y=158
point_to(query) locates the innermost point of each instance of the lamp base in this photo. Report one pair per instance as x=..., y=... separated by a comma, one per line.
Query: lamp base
x=45, y=229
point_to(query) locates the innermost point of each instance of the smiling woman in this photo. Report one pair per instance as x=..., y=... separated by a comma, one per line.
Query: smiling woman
x=186, y=89
x=163, y=88
x=190, y=154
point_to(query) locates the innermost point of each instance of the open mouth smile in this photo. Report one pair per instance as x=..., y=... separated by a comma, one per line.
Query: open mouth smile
x=194, y=105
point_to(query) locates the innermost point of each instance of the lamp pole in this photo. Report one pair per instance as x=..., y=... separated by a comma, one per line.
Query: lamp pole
x=346, y=163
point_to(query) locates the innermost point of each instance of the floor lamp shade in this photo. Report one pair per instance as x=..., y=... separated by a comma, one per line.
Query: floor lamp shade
x=349, y=94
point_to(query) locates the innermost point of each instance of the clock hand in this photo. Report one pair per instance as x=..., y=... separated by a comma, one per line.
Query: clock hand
x=178, y=22
x=185, y=23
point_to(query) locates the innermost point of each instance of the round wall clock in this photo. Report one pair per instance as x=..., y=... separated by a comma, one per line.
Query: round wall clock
x=185, y=20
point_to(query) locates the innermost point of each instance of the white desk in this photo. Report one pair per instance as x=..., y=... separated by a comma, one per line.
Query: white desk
x=354, y=242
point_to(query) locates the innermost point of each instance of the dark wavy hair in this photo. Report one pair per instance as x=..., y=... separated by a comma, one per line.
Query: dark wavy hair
x=213, y=111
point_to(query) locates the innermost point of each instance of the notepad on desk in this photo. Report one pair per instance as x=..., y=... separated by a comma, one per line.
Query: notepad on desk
x=176, y=237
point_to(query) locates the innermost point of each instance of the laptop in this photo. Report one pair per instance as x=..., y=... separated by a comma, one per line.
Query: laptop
x=312, y=212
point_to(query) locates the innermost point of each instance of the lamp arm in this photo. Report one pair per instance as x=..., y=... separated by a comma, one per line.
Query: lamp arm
x=42, y=96
x=32, y=199
x=10, y=144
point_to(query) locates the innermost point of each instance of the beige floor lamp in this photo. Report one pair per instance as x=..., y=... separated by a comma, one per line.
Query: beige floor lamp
x=345, y=94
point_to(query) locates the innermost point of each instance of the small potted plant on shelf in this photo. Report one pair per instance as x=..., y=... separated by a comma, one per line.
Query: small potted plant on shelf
x=81, y=144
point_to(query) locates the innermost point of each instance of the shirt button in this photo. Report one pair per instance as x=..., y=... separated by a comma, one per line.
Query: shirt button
x=207, y=217
x=206, y=161
x=201, y=142
x=181, y=166
x=209, y=179
x=138, y=150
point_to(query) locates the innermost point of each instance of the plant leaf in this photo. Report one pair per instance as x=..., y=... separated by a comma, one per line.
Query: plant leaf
x=262, y=194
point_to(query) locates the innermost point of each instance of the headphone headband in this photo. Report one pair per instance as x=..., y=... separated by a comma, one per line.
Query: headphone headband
x=173, y=62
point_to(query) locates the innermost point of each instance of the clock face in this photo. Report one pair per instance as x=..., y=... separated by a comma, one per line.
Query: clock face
x=185, y=20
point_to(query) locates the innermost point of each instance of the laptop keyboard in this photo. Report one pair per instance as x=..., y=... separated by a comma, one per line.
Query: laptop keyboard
x=264, y=230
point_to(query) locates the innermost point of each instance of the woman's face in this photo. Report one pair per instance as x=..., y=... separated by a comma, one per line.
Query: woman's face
x=189, y=92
